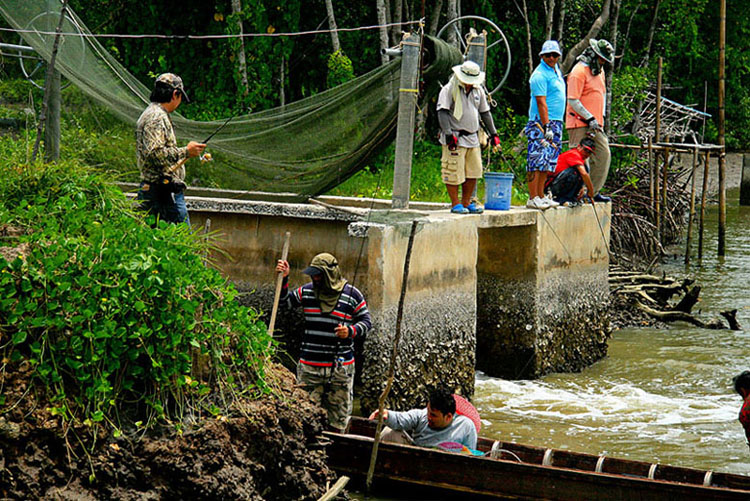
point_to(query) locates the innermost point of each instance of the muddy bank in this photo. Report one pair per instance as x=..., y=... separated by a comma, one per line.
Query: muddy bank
x=270, y=453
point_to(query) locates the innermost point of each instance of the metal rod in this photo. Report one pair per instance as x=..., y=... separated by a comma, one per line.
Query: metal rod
x=691, y=214
x=703, y=205
x=11, y=46
x=722, y=155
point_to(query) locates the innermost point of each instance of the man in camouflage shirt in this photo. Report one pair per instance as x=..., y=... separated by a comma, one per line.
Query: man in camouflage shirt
x=162, y=186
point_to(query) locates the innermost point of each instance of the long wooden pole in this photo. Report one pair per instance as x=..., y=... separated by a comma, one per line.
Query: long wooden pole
x=394, y=357
x=651, y=180
x=722, y=154
x=657, y=128
x=664, y=191
x=691, y=215
x=703, y=204
x=279, y=282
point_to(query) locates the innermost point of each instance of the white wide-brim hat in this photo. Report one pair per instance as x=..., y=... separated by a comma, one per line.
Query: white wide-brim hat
x=469, y=73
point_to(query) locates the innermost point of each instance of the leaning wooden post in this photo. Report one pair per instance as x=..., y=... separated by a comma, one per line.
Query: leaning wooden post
x=407, y=101
x=277, y=294
x=704, y=195
x=691, y=214
x=394, y=357
x=723, y=152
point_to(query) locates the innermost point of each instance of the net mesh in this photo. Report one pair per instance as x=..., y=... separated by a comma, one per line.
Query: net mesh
x=306, y=147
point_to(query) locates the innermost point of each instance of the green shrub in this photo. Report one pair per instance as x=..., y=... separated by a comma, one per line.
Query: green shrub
x=113, y=314
x=340, y=69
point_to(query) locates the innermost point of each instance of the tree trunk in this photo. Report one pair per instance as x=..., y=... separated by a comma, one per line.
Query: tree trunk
x=596, y=26
x=651, y=30
x=331, y=25
x=398, y=8
x=383, y=30
x=435, y=20
x=282, y=78
x=528, y=36
x=626, y=38
x=610, y=73
x=549, y=9
x=241, y=61
x=452, y=14
x=561, y=22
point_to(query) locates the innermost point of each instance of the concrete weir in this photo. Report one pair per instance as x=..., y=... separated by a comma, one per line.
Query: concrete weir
x=516, y=293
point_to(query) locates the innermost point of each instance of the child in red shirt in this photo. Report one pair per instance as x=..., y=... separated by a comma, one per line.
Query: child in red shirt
x=571, y=174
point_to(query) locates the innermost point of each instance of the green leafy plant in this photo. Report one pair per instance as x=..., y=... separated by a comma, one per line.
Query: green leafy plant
x=118, y=319
x=340, y=69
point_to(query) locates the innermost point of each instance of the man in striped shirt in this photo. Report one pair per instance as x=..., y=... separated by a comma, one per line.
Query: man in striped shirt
x=335, y=313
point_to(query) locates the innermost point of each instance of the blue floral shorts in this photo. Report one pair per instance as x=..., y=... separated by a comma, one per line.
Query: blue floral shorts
x=541, y=155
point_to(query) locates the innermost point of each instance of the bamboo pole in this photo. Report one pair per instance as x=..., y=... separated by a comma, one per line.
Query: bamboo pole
x=651, y=184
x=657, y=128
x=722, y=154
x=394, y=356
x=691, y=214
x=657, y=203
x=664, y=189
x=703, y=204
x=277, y=294
x=334, y=491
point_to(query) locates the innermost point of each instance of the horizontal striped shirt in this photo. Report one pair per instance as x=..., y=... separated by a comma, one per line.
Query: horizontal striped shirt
x=320, y=345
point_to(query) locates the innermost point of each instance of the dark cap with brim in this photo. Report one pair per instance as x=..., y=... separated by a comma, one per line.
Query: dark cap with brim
x=312, y=271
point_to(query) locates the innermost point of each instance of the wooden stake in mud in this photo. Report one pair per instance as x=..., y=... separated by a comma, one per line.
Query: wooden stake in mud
x=394, y=354
x=663, y=214
x=279, y=281
x=691, y=214
x=721, y=124
x=703, y=204
x=651, y=180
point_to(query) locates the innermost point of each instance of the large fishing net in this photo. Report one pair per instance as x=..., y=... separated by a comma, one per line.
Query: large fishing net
x=306, y=147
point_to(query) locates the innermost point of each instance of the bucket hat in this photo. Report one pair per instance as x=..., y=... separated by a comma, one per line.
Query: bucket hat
x=603, y=49
x=549, y=47
x=469, y=73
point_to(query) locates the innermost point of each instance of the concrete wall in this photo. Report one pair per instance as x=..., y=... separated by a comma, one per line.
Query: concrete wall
x=515, y=293
x=543, y=292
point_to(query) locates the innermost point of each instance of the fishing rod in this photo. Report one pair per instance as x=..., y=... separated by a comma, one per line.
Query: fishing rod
x=206, y=157
x=601, y=230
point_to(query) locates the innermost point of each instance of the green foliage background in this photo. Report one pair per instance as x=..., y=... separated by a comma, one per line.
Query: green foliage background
x=122, y=323
x=686, y=36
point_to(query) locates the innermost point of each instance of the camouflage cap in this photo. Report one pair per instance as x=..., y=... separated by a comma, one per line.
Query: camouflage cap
x=175, y=82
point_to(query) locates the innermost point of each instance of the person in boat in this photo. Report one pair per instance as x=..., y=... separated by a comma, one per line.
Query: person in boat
x=571, y=175
x=742, y=387
x=335, y=313
x=429, y=427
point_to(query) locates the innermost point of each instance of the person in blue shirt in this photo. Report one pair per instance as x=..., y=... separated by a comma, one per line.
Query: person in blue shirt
x=545, y=127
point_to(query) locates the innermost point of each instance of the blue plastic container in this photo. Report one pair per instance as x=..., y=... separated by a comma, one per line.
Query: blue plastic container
x=498, y=188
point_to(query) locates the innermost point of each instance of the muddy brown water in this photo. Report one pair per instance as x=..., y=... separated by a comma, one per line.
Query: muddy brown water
x=660, y=395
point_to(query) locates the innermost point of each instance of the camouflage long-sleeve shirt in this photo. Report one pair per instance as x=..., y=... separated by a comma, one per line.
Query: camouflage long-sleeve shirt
x=156, y=145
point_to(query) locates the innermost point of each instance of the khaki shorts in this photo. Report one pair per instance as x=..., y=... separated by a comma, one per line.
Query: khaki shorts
x=461, y=164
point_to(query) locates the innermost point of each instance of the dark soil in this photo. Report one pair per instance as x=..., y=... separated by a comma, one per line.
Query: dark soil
x=271, y=454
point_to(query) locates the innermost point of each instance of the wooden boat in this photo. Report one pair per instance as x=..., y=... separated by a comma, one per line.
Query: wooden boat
x=515, y=471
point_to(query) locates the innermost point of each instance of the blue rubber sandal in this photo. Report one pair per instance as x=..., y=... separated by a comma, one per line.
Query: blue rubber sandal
x=475, y=209
x=459, y=209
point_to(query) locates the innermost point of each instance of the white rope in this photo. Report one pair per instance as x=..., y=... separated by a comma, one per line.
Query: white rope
x=599, y=464
x=211, y=37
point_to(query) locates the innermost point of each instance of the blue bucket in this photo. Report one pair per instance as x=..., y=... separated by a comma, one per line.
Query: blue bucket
x=498, y=188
